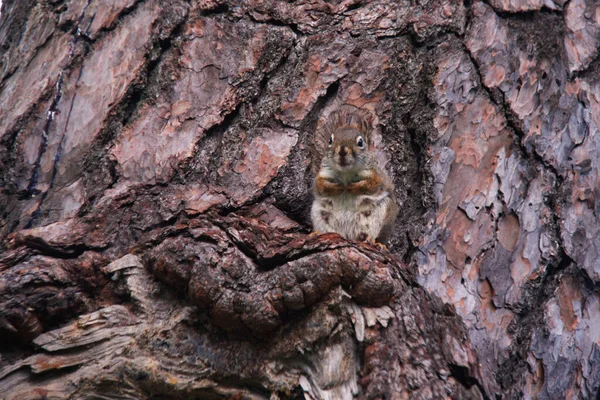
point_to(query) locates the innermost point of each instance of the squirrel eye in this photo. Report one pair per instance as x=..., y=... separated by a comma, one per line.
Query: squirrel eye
x=331, y=140
x=360, y=142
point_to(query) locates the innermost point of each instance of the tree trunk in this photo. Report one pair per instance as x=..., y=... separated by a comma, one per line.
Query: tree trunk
x=156, y=165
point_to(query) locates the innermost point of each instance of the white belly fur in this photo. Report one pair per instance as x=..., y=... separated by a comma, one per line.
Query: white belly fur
x=346, y=215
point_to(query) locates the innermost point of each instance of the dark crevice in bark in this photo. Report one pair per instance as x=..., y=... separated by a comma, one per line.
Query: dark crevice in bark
x=10, y=139
x=18, y=16
x=219, y=9
x=529, y=314
x=132, y=100
x=526, y=15
x=514, y=123
x=530, y=311
x=463, y=375
x=512, y=371
x=468, y=21
x=267, y=263
x=309, y=123
x=139, y=92
x=228, y=208
x=591, y=71
x=57, y=158
x=407, y=136
x=46, y=129
x=44, y=143
x=512, y=120
x=34, y=53
x=69, y=252
x=6, y=78
x=215, y=131
x=283, y=62
x=276, y=22
x=58, y=154
x=428, y=42
x=410, y=250
x=107, y=29
x=589, y=283
x=242, y=115
x=354, y=6
x=418, y=151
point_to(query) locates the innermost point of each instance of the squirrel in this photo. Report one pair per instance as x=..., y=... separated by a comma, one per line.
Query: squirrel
x=352, y=195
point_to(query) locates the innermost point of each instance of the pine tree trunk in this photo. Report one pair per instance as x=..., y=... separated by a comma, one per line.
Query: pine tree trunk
x=156, y=166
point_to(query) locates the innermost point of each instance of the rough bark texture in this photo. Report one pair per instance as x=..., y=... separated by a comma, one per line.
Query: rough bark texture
x=156, y=160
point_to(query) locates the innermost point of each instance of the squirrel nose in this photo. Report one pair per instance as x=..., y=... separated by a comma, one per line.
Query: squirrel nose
x=343, y=151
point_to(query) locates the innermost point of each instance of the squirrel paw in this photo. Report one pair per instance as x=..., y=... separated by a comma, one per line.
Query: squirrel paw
x=363, y=237
x=315, y=234
x=381, y=246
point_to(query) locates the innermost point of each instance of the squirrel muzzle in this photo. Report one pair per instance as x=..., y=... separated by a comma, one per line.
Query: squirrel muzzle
x=345, y=156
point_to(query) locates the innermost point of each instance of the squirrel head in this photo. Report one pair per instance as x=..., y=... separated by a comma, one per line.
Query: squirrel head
x=347, y=136
x=346, y=148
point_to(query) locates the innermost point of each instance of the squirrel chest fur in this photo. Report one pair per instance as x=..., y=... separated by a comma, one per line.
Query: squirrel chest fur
x=352, y=196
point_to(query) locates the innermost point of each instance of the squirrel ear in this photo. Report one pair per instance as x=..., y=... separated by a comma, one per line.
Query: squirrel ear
x=344, y=117
x=352, y=117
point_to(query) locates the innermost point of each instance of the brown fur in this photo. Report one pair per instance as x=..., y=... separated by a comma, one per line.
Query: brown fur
x=370, y=185
x=325, y=187
x=347, y=117
x=353, y=196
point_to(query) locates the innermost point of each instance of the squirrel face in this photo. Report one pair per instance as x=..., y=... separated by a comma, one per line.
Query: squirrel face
x=347, y=149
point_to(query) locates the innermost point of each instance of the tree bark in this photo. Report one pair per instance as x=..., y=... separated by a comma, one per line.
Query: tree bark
x=156, y=165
